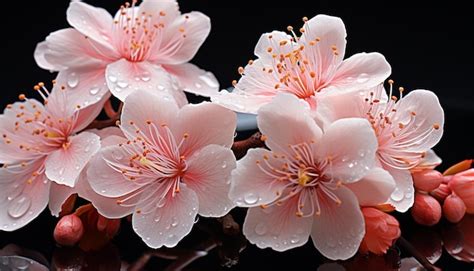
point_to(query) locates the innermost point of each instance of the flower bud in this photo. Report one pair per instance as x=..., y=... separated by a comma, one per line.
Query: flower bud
x=463, y=185
x=427, y=180
x=441, y=192
x=381, y=230
x=69, y=230
x=454, y=208
x=426, y=210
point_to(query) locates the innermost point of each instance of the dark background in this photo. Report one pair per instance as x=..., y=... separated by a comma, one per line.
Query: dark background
x=429, y=46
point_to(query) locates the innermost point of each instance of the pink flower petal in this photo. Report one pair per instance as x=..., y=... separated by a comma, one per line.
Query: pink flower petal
x=240, y=101
x=362, y=71
x=332, y=34
x=277, y=227
x=68, y=48
x=193, y=79
x=338, y=231
x=430, y=161
x=169, y=8
x=124, y=77
x=58, y=195
x=64, y=165
x=428, y=112
x=332, y=106
x=374, y=188
x=40, y=59
x=167, y=225
x=256, y=79
x=95, y=23
x=182, y=39
x=106, y=180
x=86, y=116
x=265, y=42
x=286, y=121
x=250, y=185
x=10, y=151
x=402, y=197
x=106, y=206
x=350, y=145
x=208, y=175
x=142, y=107
x=216, y=126
x=84, y=87
x=20, y=200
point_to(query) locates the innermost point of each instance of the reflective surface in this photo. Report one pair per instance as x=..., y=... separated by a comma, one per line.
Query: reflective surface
x=219, y=245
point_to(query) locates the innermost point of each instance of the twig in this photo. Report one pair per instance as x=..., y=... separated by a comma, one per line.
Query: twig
x=241, y=147
x=402, y=242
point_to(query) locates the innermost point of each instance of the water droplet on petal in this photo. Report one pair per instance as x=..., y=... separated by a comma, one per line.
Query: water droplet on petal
x=174, y=222
x=148, y=238
x=19, y=206
x=362, y=78
x=157, y=219
x=397, y=195
x=224, y=164
x=198, y=85
x=351, y=165
x=112, y=78
x=73, y=80
x=94, y=90
x=250, y=198
x=87, y=148
x=331, y=242
x=61, y=171
x=20, y=263
x=261, y=229
x=294, y=239
x=77, y=167
x=171, y=236
x=146, y=77
x=122, y=84
x=160, y=87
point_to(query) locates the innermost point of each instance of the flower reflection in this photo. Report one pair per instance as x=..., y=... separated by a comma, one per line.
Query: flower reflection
x=223, y=241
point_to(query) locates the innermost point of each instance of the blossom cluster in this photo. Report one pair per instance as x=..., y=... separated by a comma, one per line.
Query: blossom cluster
x=343, y=145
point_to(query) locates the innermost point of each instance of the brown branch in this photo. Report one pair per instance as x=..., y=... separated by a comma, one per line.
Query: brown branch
x=241, y=147
x=402, y=242
x=101, y=124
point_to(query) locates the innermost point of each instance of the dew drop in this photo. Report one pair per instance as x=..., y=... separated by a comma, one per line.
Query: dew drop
x=209, y=80
x=362, y=78
x=351, y=165
x=73, y=80
x=171, y=236
x=103, y=191
x=94, y=90
x=20, y=263
x=112, y=78
x=160, y=87
x=198, y=85
x=174, y=222
x=250, y=198
x=261, y=229
x=146, y=77
x=397, y=195
x=61, y=171
x=331, y=243
x=294, y=239
x=157, y=219
x=87, y=148
x=148, y=238
x=122, y=84
x=19, y=206
x=224, y=164
x=77, y=167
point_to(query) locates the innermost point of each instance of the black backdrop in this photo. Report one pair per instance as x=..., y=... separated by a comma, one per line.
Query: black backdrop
x=429, y=46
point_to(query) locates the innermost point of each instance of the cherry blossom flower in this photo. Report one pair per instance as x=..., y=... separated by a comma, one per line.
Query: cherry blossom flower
x=406, y=127
x=144, y=47
x=309, y=183
x=306, y=66
x=174, y=164
x=41, y=150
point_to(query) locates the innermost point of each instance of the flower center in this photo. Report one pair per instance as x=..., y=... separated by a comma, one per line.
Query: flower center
x=36, y=128
x=154, y=161
x=305, y=178
x=140, y=35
